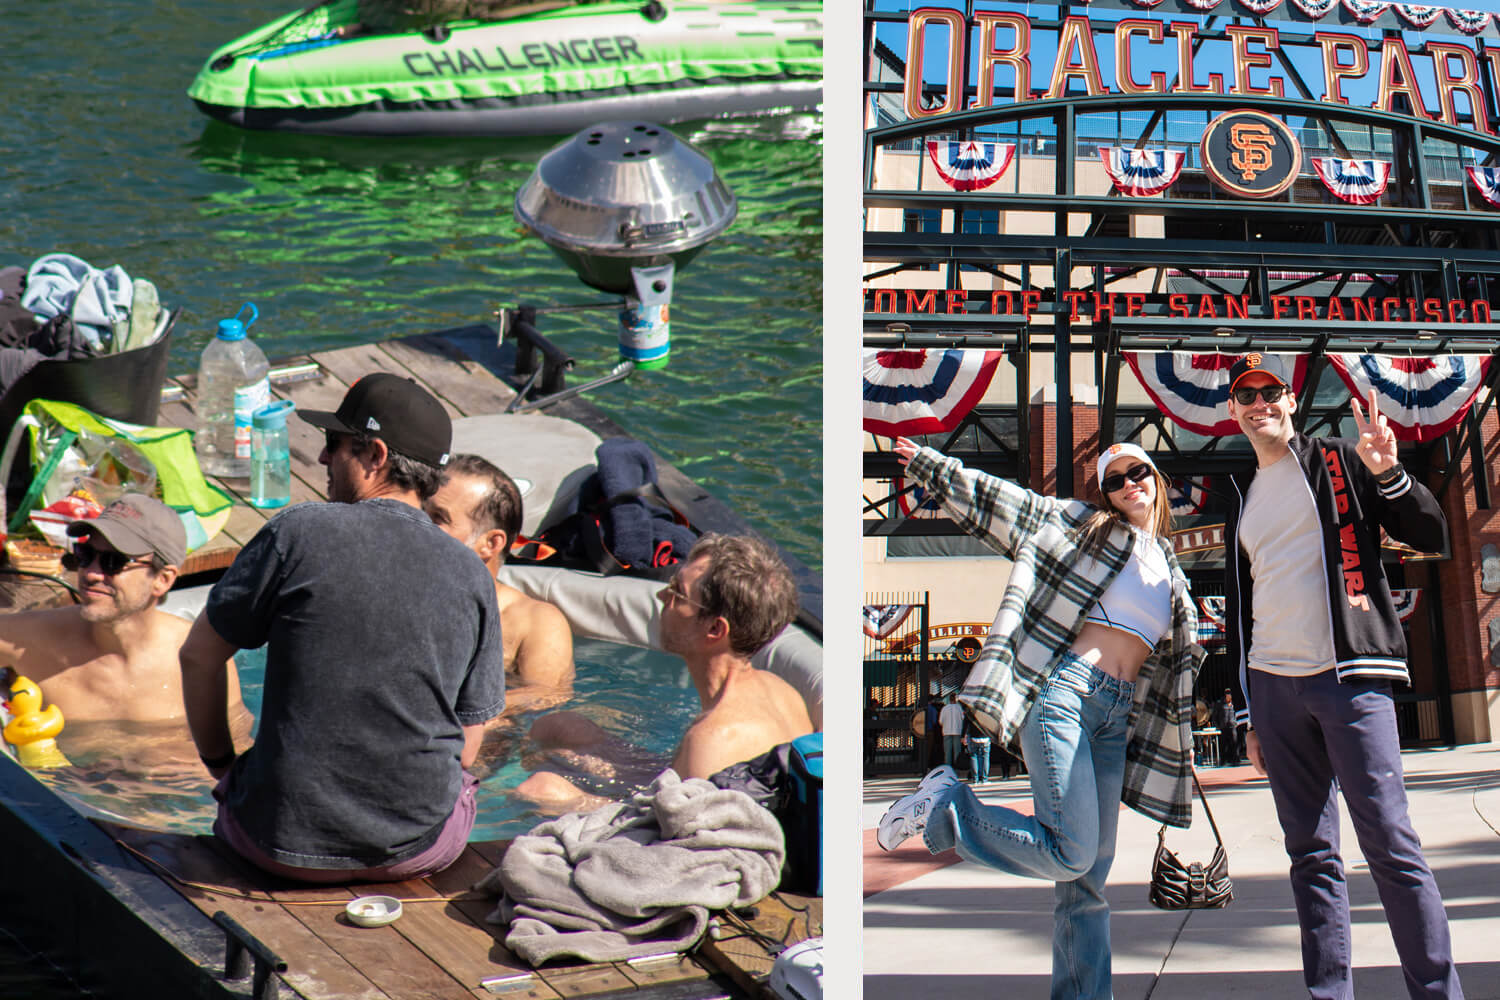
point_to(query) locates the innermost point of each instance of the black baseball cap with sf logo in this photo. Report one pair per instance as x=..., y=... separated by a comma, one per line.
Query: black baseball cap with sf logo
x=398, y=411
x=1267, y=364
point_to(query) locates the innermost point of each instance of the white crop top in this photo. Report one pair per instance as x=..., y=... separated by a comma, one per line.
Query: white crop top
x=1139, y=600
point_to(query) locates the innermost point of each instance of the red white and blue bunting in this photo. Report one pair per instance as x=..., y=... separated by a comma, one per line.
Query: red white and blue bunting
x=1470, y=22
x=1203, y=4
x=1187, y=497
x=1141, y=172
x=1359, y=182
x=914, y=502
x=882, y=620
x=1487, y=180
x=970, y=165
x=923, y=392
x=1193, y=389
x=1315, y=9
x=1421, y=398
x=1366, y=11
x=1418, y=15
x=1260, y=6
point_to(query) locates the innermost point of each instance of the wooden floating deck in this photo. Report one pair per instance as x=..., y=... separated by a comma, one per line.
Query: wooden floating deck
x=438, y=949
x=441, y=947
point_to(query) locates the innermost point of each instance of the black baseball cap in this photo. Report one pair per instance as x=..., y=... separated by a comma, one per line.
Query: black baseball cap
x=407, y=417
x=1268, y=364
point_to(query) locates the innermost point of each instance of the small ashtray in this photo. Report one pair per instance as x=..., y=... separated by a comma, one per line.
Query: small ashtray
x=373, y=911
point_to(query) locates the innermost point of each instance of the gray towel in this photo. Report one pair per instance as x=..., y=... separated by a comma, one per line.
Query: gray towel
x=637, y=877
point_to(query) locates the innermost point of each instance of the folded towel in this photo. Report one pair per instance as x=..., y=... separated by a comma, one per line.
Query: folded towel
x=637, y=877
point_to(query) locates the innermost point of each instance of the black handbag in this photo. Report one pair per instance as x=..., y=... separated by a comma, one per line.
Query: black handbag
x=1175, y=886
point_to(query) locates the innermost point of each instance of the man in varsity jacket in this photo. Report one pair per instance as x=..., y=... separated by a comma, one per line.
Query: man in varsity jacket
x=1315, y=635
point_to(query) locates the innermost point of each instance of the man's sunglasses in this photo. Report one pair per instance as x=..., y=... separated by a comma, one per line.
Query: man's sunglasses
x=1270, y=393
x=111, y=563
x=1137, y=473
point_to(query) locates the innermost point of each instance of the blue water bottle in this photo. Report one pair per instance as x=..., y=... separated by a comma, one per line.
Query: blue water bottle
x=270, y=456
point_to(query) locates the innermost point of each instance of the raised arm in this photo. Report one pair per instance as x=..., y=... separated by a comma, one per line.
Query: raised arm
x=1411, y=513
x=995, y=510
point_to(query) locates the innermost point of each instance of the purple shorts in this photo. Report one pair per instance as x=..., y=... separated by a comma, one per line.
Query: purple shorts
x=443, y=852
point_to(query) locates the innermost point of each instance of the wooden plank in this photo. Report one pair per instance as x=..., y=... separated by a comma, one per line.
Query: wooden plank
x=350, y=363
x=386, y=957
x=469, y=952
x=586, y=980
x=451, y=374
x=783, y=918
x=656, y=972
x=313, y=968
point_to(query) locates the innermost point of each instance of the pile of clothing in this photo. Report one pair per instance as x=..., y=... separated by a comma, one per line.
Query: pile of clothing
x=62, y=308
x=637, y=877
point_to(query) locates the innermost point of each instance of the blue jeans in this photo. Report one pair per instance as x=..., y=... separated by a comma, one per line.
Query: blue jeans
x=1074, y=744
x=953, y=748
x=1321, y=736
x=979, y=757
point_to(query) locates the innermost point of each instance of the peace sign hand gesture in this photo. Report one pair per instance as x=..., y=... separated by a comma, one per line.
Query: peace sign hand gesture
x=1377, y=442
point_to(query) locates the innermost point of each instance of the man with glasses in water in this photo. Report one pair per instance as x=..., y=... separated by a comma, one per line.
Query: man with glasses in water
x=113, y=655
x=732, y=596
x=1317, y=641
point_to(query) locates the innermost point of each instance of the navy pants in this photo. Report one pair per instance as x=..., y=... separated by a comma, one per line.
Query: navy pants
x=1320, y=735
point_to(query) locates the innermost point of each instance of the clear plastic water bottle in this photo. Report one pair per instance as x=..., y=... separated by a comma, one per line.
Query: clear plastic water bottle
x=233, y=382
x=270, y=456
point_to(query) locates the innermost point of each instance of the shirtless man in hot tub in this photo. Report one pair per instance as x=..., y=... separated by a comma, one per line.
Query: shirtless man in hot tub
x=480, y=506
x=113, y=656
x=732, y=597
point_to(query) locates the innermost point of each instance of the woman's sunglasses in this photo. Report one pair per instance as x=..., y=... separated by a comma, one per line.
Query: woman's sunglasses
x=1137, y=473
x=111, y=563
x=1270, y=393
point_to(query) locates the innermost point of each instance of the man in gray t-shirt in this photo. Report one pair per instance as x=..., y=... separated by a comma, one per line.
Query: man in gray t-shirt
x=383, y=660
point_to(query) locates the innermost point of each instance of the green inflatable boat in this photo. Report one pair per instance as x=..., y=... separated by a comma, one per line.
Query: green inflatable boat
x=545, y=69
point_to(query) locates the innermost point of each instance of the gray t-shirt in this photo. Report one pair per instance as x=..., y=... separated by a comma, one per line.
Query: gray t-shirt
x=383, y=641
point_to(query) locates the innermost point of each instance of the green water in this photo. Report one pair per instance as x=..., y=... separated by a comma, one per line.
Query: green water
x=343, y=242
x=347, y=241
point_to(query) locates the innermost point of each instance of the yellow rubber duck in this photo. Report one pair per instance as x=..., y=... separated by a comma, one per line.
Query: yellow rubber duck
x=33, y=730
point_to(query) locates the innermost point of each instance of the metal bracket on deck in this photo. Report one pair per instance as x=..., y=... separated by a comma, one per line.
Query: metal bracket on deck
x=240, y=947
x=521, y=324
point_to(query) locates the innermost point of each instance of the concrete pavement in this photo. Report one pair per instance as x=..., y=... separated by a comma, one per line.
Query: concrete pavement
x=940, y=928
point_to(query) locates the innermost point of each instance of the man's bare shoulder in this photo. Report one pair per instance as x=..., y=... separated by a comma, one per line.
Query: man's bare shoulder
x=25, y=630
x=764, y=711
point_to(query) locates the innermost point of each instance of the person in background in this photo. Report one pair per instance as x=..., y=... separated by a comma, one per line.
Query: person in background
x=384, y=660
x=1229, y=739
x=480, y=506
x=951, y=721
x=1316, y=639
x=1108, y=609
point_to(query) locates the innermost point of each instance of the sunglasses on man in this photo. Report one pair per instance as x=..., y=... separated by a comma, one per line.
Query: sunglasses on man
x=1270, y=393
x=111, y=563
x=1137, y=473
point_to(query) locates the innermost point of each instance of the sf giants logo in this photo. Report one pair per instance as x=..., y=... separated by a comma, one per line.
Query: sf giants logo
x=1250, y=153
x=1251, y=143
x=1354, y=577
x=1252, y=361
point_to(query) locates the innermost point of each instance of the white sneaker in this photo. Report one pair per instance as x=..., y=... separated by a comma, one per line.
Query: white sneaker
x=908, y=816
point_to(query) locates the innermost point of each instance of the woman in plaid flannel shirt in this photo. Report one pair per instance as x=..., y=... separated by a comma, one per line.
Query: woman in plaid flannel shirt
x=1090, y=665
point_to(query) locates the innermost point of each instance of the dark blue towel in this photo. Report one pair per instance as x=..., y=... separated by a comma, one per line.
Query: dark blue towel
x=639, y=533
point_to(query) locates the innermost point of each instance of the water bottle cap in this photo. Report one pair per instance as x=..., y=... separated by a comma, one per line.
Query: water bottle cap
x=234, y=328
x=272, y=414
